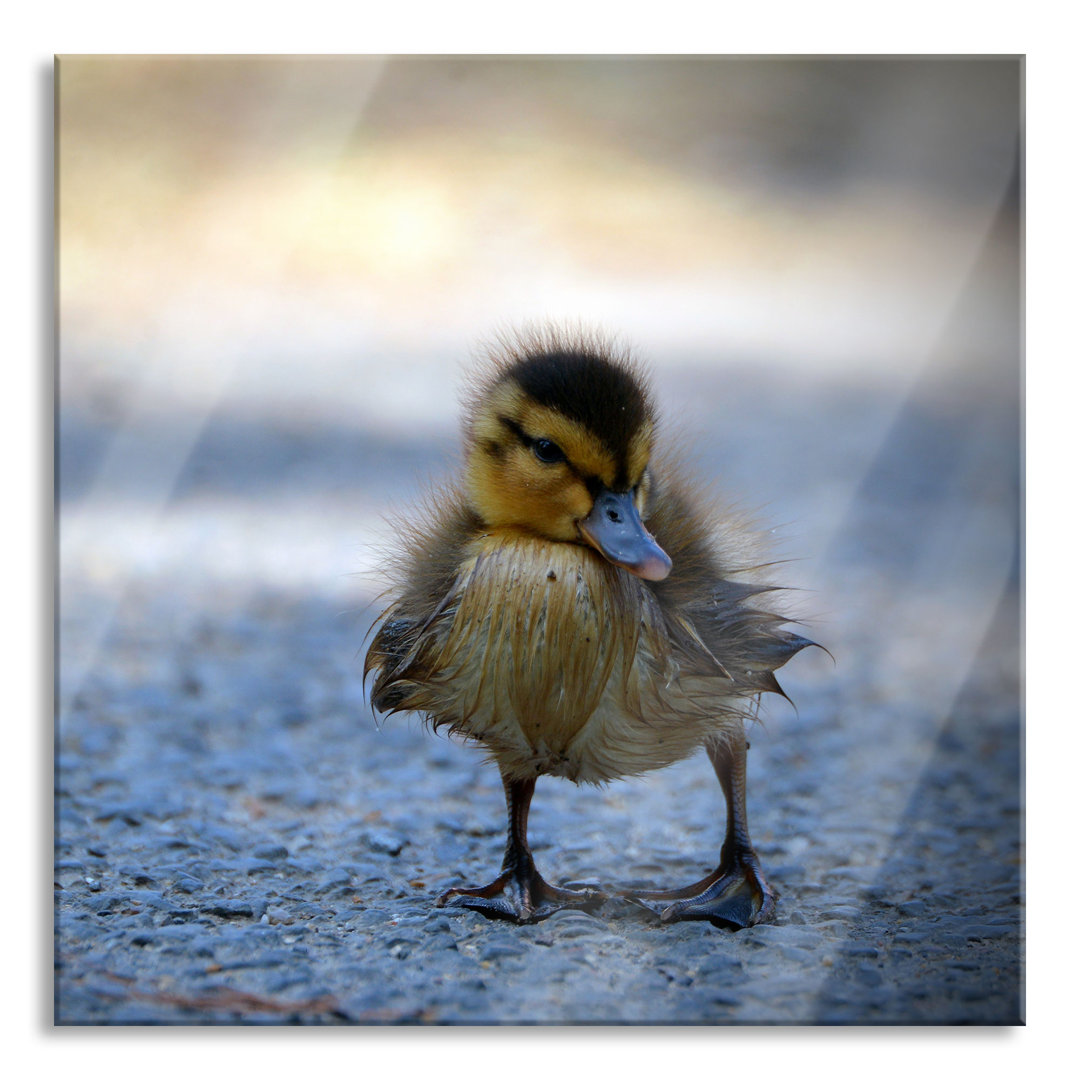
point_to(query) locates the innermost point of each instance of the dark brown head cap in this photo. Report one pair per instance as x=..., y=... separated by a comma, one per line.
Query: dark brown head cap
x=585, y=378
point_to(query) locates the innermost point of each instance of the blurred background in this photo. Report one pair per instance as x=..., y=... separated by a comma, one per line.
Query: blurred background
x=273, y=272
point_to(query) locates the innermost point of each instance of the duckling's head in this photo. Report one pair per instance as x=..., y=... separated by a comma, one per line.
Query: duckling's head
x=558, y=442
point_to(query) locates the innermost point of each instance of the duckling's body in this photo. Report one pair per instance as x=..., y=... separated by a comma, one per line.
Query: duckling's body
x=537, y=615
x=557, y=661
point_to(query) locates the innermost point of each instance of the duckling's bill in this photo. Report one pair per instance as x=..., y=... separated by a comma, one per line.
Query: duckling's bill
x=614, y=527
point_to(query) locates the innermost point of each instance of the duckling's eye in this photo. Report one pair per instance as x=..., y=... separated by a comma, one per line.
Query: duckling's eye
x=547, y=452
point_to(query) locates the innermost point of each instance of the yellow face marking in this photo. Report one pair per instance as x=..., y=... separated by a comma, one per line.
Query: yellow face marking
x=509, y=486
x=637, y=458
x=641, y=496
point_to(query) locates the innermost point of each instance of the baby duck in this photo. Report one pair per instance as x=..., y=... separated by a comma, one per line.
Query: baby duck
x=570, y=608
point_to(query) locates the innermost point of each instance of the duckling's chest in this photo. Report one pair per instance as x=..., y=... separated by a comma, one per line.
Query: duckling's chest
x=540, y=642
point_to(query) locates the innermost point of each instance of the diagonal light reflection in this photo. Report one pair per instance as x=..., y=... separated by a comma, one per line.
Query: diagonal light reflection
x=961, y=552
x=147, y=456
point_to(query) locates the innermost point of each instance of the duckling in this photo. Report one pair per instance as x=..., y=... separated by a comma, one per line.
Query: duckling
x=569, y=607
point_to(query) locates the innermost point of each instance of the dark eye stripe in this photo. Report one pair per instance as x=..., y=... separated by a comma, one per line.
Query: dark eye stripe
x=544, y=449
x=516, y=428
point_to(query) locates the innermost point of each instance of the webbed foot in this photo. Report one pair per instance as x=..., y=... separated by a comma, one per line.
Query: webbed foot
x=735, y=893
x=521, y=895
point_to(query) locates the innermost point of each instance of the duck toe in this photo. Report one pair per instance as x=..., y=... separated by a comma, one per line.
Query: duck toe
x=521, y=897
x=735, y=894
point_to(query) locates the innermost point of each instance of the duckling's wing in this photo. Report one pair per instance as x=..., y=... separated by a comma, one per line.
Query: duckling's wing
x=718, y=625
x=425, y=570
x=749, y=641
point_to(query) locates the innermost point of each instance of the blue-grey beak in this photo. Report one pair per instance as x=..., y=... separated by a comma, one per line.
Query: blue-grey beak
x=615, y=529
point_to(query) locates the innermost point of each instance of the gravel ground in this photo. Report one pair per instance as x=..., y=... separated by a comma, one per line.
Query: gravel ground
x=237, y=840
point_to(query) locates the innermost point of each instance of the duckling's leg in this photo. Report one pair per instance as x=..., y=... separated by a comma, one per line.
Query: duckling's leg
x=519, y=893
x=736, y=891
